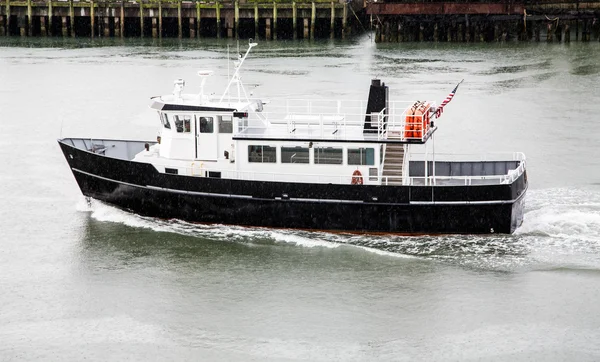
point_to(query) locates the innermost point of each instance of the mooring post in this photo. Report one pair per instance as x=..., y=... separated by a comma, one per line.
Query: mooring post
x=72, y=18
x=29, y=22
x=256, y=20
x=192, y=22
x=236, y=18
x=344, y=20
x=294, y=19
x=141, y=18
x=274, y=20
x=198, y=19
x=179, y=30
x=549, y=32
x=154, y=26
x=313, y=18
x=218, y=11
x=332, y=21
x=159, y=19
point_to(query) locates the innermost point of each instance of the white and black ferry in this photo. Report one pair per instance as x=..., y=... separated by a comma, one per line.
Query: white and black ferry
x=309, y=164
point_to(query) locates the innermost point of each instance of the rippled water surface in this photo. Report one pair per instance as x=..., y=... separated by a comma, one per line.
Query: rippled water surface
x=87, y=281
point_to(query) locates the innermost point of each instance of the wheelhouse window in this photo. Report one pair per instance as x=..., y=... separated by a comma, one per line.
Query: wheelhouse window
x=207, y=125
x=294, y=155
x=225, y=124
x=165, y=121
x=182, y=124
x=262, y=154
x=328, y=156
x=361, y=156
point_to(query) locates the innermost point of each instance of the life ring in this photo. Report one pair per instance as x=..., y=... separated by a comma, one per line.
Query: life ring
x=357, y=178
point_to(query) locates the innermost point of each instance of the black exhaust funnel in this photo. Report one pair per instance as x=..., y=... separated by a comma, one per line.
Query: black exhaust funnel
x=378, y=100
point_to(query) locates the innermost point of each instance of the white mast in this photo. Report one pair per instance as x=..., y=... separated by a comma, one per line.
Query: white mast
x=235, y=76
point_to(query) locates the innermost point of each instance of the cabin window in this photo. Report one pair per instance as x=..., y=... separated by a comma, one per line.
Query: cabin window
x=225, y=124
x=361, y=156
x=182, y=124
x=207, y=125
x=294, y=155
x=242, y=124
x=165, y=121
x=262, y=154
x=328, y=156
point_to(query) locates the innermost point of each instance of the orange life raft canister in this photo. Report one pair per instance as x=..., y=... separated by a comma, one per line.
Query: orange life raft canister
x=417, y=120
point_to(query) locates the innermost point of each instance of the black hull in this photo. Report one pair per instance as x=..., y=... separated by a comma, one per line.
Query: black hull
x=139, y=188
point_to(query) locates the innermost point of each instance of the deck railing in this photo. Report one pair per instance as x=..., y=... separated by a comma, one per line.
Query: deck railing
x=338, y=119
x=198, y=169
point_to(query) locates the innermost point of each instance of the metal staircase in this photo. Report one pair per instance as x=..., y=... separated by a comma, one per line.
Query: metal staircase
x=393, y=164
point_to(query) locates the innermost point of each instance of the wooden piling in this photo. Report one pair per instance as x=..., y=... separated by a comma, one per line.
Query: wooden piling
x=344, y=20
x=461, y=34
x=313, y=17
x=92, y=20
x=436, y=36
x=2, y=33
x=294, y=19
x=49, y=17
x=142, y=18
x=256, y=20
x=117, y=25
x=198, y=19
x=154, y=30
x=160, y=19
x=8, y=17
x=305, y=28
x=274, y=20
x=421, y=34
x=192, y=22
x=65, y=27
x=549, y=32
x=448, y=33
x=72, y=18
x=107, y=25
x=468, y=33
x=122, y=20
x=29, y=22
x=537, y=32
x=236, y=18
x=179, y=23
x=268, y=29
x=218, y=12
x=332, y=23
x=567, y=37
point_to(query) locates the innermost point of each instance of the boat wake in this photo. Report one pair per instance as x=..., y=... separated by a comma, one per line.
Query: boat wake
x=561, y=229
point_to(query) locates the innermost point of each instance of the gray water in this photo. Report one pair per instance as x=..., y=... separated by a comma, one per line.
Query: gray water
x=91, y=282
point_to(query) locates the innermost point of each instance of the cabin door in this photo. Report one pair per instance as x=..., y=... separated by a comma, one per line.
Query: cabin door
x=206, y=138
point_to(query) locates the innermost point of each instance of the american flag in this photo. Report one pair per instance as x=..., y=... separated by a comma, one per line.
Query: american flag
x=440, y=109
